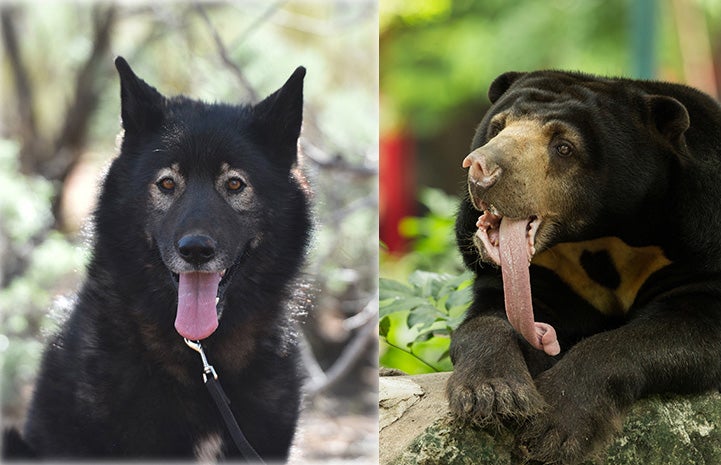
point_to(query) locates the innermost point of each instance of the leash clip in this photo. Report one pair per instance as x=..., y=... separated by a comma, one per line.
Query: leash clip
x=207, y=367
x=223, y=403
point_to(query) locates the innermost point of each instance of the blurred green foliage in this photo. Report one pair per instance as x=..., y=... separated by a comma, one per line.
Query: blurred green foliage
x=418, y=313
x=460, y=46
x=416, y=320
x=24, y=205
x=437, y=55
x=51, y=265
x=432, y=234
x=431, y=238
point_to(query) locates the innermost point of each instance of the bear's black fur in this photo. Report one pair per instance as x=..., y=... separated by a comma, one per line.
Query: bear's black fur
x=627, y=266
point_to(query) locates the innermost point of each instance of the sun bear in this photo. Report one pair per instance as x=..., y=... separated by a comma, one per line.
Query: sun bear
x=592, y=221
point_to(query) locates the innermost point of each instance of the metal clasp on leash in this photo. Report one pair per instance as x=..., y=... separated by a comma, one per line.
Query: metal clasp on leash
x=223, y=403
x=207, y=367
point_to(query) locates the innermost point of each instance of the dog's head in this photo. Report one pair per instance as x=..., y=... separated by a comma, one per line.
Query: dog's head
x=208, y=185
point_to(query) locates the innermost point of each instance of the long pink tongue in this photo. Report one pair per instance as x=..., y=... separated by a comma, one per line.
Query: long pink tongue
x=197, y=317
x=513, y=245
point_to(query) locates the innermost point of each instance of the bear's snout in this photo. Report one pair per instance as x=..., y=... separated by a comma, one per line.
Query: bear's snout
x=483, y=172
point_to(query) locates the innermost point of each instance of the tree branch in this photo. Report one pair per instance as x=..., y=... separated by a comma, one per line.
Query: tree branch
x=67, y=149
x=73, y=135
x=356, y=348
x=326, y=161
x=225, y=57
x=30, y=139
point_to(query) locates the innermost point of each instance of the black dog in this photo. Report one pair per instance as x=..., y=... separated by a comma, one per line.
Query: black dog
x=202, y=206
x=610, y=189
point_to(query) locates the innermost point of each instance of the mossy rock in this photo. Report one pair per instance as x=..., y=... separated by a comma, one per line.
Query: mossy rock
x=677, y=430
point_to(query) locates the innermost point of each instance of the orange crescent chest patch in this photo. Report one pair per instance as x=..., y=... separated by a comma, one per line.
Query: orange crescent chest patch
x=606, y=272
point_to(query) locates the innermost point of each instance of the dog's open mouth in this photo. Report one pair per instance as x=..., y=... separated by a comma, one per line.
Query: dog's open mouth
x=200, y=301
x=510, y=243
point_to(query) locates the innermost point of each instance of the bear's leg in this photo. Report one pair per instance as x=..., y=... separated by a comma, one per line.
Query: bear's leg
x=670, y=346
x=491, y=382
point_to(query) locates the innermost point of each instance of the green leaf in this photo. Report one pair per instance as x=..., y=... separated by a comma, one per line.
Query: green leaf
x=384, y=324
x=393, y=357
x=454, y=283
x=400, y=304
x=424, y=315
x=410, y=227
x=439, y=203
x=398, y=332
x=434, y=352
x=427, y=283
x=459, y=299
x=454, y=322
x=437, y=329
x=389, y=288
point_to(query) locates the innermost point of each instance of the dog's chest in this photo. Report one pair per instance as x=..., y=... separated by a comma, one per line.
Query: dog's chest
x=209, y=448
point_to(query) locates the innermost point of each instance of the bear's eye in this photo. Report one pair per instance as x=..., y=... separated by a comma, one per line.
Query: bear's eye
x=495, y=128
x=167, y=184
x=564, y=149
x=235, y=184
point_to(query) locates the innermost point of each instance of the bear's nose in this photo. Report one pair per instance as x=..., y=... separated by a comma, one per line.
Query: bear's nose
x=197, y=248
x=483, y=171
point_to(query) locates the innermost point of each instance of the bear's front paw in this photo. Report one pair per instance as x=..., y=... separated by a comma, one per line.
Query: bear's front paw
x=493, y=400
x=568, y=432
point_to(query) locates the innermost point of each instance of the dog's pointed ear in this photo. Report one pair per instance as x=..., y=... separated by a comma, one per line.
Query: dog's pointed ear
x=500, y=85
x=279, y=116
x=141, y=105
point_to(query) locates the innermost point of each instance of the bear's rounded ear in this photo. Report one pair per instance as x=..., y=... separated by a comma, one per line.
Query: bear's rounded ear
x=669, y=115
x=501, y=84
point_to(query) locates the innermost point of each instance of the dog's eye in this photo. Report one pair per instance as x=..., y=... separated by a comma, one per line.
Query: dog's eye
x=166, y=184
x=235, y=184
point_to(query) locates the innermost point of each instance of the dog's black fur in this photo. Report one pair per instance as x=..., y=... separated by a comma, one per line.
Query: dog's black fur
x=644, y=167
x=118, y=381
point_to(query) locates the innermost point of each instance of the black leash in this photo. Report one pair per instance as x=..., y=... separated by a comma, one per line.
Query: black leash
x=223, y=404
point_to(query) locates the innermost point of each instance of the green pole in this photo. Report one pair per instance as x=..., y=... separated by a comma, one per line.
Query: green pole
x=643, y=38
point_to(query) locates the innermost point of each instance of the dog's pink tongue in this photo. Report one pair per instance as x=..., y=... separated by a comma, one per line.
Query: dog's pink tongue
x=197, y=317
x=513, y=245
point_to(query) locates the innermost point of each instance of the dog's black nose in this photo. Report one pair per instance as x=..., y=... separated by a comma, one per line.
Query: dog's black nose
x=197, y=249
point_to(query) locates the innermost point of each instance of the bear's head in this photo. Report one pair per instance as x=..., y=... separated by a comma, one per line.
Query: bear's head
x=565, y=157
